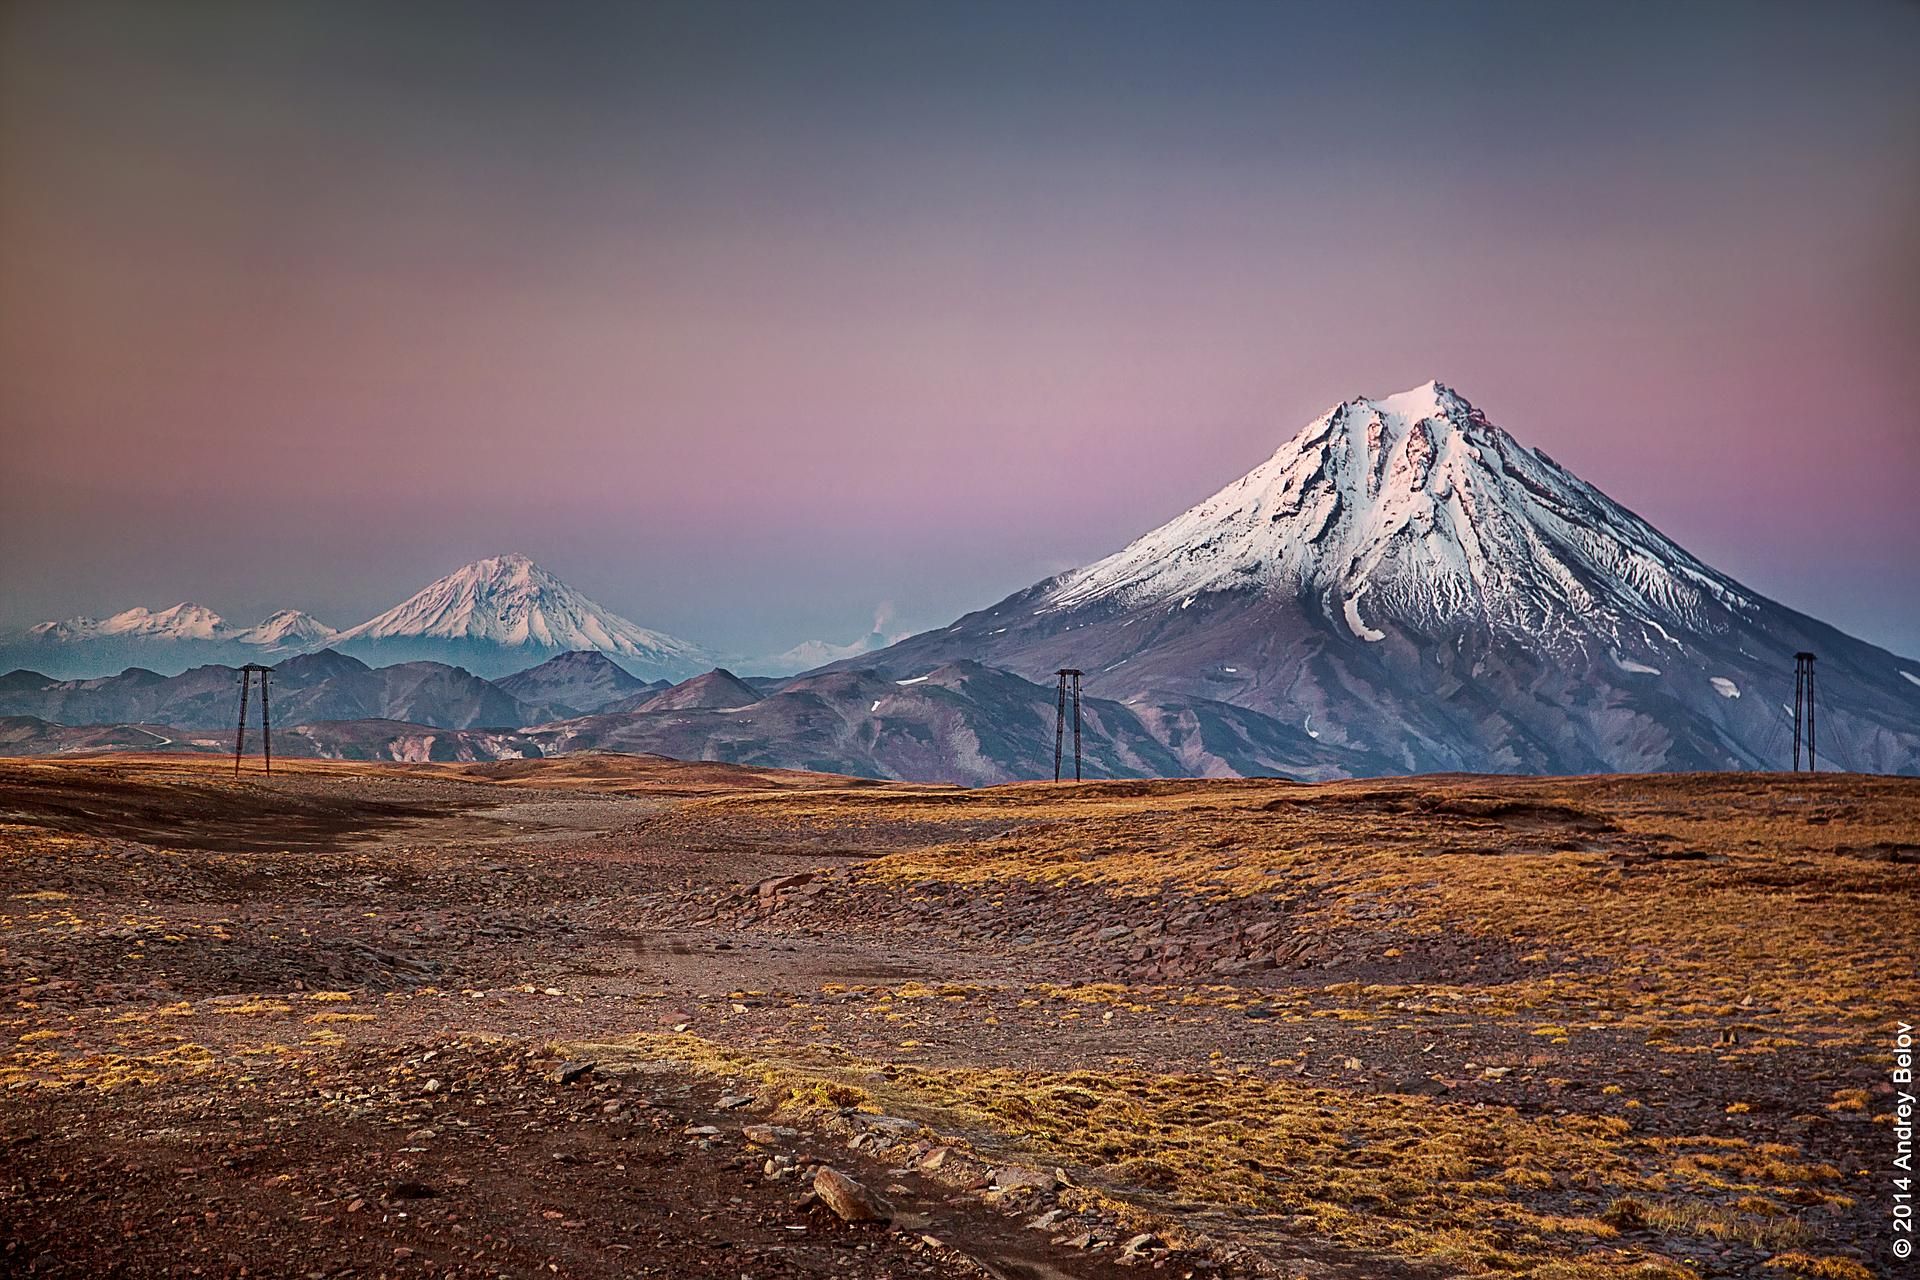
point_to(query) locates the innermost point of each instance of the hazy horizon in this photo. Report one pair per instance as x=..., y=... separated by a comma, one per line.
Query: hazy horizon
x=752, y=320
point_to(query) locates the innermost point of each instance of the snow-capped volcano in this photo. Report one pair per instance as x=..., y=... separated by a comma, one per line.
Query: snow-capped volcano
x=288, y=629
x=183, y=621
x=494, y=613
x=1415, y=507
x=170, y=639
x=1404, y=578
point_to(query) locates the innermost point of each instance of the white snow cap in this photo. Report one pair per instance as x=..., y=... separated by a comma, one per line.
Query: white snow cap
x=1417, y=502
x=510, y=600
x=183, y=621
x=288, y=629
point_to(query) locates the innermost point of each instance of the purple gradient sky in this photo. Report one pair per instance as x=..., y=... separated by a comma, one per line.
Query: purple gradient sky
x=748, y=318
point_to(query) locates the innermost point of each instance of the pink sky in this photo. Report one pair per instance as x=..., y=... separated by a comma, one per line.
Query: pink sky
x=748, y=340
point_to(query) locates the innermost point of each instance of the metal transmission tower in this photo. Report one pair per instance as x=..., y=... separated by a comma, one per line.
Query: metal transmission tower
x=266, y=725
x=1060, y=722
x=1803, y=724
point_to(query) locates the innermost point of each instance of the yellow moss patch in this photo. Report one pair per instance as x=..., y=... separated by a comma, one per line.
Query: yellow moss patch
x=1821, y=1267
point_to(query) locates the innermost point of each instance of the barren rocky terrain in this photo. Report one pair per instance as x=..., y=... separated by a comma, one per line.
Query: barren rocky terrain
x=615, y=1016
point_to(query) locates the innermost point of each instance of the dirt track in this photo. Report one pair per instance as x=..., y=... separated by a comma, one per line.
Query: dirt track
x=240, y=1010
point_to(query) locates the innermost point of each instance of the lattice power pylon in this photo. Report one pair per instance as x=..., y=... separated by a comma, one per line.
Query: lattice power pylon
x=1803, y=725
x=266, y=723
x=1060, y=721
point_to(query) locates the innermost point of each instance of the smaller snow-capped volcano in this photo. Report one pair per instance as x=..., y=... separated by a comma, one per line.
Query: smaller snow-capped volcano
x=165, y=640
x=1415, y=507
x=508, y=602
x=183, y=621
x=288, y=629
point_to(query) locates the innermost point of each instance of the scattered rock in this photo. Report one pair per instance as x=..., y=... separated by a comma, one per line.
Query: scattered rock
x=568, y=1072
x=1016, y=1177
x=411, y=1191
x=1421, y=1087
x=848, y=1198
x=888, y=1124
x=771, y=888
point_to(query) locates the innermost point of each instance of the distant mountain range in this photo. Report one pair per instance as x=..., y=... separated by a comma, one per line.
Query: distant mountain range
x=316, y=686
x=494, y=616
x=960, y=723
x=176, y=636
x=1401, y=587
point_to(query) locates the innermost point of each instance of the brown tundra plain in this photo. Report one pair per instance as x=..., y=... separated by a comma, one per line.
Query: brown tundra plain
x=624, y=1016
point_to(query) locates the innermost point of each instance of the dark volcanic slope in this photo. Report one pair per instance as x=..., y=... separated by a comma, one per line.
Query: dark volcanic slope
x=575, y=684
x=717, y=690
x=963, y=723
x=320, y=686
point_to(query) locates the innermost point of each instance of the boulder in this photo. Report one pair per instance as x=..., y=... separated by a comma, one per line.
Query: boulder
x=848, y=1198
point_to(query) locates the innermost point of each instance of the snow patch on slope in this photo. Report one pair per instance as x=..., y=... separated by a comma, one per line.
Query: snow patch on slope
x=1354, y=623
x=1725, y=687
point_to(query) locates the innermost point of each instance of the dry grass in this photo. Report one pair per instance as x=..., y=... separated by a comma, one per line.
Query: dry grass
x=1658, y=902
x=1373, y=1173
x=588, y=771
x=1820, y=1267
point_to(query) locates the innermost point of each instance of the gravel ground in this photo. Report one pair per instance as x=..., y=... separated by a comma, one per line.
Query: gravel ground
x=315, y=1026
